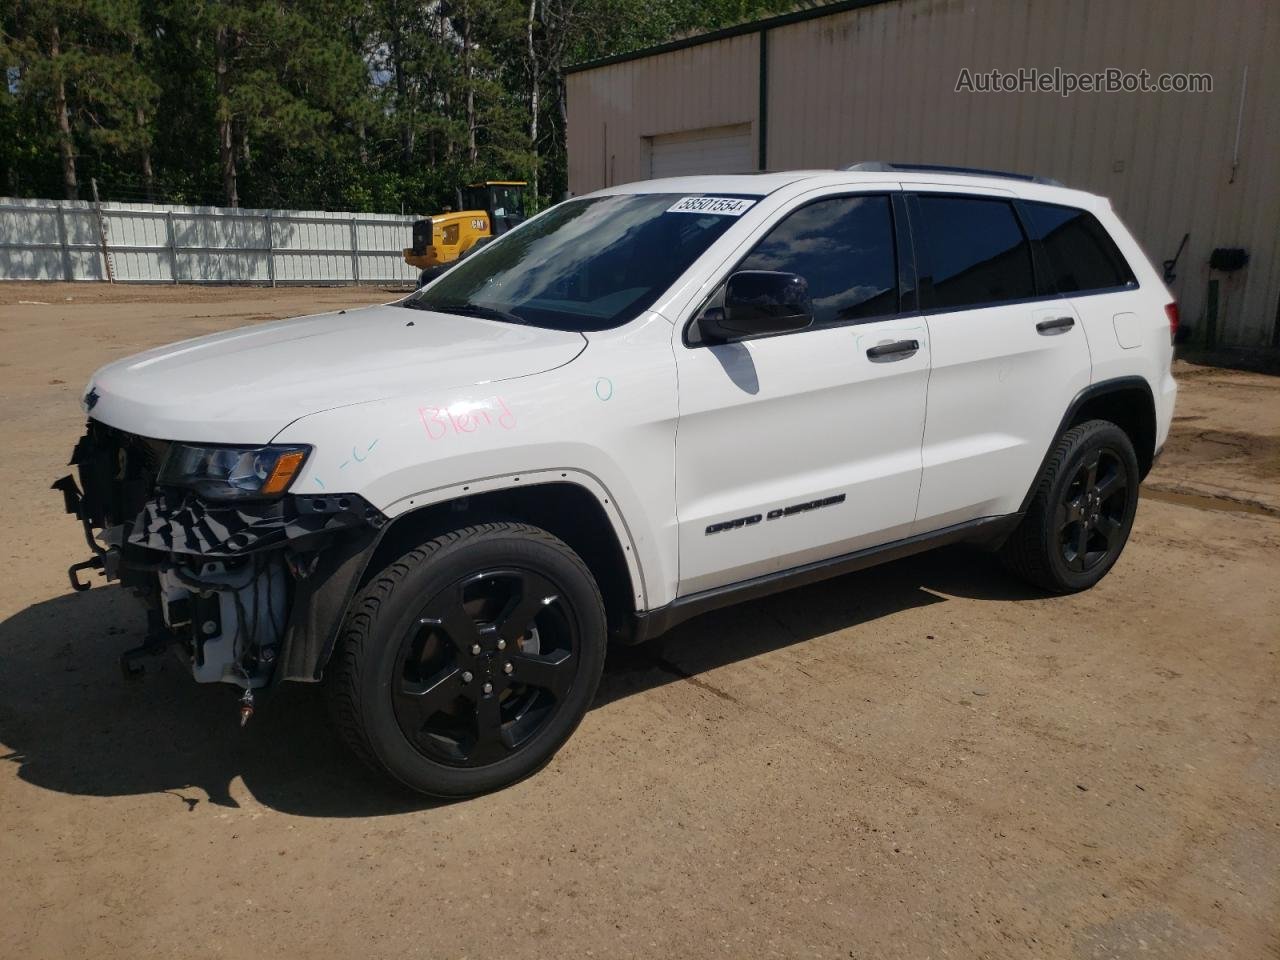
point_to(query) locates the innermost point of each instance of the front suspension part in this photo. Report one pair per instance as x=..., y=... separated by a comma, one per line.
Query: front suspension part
x=159, y=639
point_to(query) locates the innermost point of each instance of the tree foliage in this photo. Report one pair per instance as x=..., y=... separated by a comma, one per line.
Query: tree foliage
x=345, y=104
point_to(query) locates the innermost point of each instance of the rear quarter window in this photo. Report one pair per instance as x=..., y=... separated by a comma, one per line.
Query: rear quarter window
x=1081, y=255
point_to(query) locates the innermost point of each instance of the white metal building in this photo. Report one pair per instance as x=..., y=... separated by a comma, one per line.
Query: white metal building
x=877, y=80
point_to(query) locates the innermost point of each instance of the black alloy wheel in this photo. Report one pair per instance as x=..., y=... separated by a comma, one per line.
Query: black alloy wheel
x=483, y=668
x=465, y=664
x=1080, y=512
x=1092, y=511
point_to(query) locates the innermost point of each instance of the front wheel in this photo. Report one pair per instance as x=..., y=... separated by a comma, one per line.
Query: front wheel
x=467, y=663
x=1081, y=513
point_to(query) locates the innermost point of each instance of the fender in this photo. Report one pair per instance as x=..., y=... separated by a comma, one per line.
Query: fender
x=1093, y=391
x=324, y=598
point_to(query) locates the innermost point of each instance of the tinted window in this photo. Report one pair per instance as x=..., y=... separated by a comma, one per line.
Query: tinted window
x=587, y=264
x=976, y=252
x=507, y=202
x=844, y=249
x=1081, y=255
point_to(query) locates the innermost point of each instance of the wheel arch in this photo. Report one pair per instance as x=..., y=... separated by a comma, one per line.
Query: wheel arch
x=586, y=520
x=1128, y=402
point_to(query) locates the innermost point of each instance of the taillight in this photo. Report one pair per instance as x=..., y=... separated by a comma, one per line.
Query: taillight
x=1171, y=311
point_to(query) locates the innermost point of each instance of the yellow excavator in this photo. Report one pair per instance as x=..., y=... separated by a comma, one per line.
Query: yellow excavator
x=485, y=210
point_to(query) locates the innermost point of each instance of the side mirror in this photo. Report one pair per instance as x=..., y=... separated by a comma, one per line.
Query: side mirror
x=758, y=302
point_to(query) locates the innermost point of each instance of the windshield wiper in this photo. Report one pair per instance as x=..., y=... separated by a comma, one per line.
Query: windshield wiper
x=413, y=303
x=464, y=308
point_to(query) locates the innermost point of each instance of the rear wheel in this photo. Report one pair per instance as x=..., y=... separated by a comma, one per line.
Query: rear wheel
x=468, y=662
x=1081, y=513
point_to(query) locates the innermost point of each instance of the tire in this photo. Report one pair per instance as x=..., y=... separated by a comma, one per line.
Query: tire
x=413, y=699
x=1081, y=512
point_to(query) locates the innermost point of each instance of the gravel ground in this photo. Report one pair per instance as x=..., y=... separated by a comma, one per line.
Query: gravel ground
x=923, y=760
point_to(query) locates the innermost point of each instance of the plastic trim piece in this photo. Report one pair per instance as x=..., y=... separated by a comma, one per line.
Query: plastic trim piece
x=1092, y=391
x=654, y=623
x=178, y=521
x=879, y=166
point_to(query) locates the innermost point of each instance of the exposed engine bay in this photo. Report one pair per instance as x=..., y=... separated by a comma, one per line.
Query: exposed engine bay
x=246, y=591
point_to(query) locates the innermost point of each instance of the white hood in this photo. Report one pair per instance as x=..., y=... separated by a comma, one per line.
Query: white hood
x=245, y=385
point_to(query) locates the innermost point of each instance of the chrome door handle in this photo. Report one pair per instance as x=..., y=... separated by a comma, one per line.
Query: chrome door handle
x=1049, y=328
x=888, y=352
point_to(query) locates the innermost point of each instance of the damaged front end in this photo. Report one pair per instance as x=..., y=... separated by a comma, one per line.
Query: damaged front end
x=250, y=588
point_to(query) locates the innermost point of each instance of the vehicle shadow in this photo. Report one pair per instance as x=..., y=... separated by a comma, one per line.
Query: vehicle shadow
x=796, y=616
x=73, y=724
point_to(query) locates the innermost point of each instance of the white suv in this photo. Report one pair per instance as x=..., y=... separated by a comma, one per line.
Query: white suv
x=637, y=406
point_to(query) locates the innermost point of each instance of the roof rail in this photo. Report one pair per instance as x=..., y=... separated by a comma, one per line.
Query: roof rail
x=879, y=166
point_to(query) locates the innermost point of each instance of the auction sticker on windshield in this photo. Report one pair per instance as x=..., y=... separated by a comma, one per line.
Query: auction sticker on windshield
x=724, y=206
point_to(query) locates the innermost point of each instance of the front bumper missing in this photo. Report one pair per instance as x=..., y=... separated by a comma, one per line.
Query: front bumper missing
x=323, y=542
x=177, y=521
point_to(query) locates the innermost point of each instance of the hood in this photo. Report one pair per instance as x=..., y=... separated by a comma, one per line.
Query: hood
x=245, y=385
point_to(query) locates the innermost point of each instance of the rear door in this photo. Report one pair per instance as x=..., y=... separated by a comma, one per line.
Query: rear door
x=1009, y=355
x=1087, y=267
x=803, y=446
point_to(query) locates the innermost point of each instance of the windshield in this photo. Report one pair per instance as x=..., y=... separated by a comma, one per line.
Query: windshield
x=584, y=265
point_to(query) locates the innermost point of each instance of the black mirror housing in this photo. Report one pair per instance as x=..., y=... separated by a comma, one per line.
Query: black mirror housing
x=758, y=303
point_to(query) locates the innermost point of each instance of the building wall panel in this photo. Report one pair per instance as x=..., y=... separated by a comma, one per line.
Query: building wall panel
x=613, y=111
x=878, y=82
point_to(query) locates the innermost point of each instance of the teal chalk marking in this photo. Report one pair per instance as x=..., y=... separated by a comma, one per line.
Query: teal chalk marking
x=361, y=459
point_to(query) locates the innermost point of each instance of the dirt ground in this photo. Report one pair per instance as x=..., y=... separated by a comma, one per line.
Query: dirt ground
x=923, y=760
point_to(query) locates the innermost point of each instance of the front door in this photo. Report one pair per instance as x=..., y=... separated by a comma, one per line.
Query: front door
x=804, y=446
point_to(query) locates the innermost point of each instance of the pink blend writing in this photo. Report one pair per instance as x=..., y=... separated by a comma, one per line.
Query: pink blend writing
x=441, y=421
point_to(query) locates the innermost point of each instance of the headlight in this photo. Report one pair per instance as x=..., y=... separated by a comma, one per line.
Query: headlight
x=233, y=473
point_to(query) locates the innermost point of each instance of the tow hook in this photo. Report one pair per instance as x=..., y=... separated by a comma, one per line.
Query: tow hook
x=246, y=707
x=93, y=563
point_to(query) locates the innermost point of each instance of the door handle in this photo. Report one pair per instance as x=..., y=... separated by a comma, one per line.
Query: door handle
x=1049, y=328
x=888, y=352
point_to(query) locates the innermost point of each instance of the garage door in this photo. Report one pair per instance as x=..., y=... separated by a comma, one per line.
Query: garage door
x=709, y=150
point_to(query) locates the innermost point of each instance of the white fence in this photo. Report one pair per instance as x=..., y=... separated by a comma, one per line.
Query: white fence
x=157, y=243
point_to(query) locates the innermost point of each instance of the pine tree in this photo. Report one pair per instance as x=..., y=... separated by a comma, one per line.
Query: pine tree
x=74, y=70
x=347, y=104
